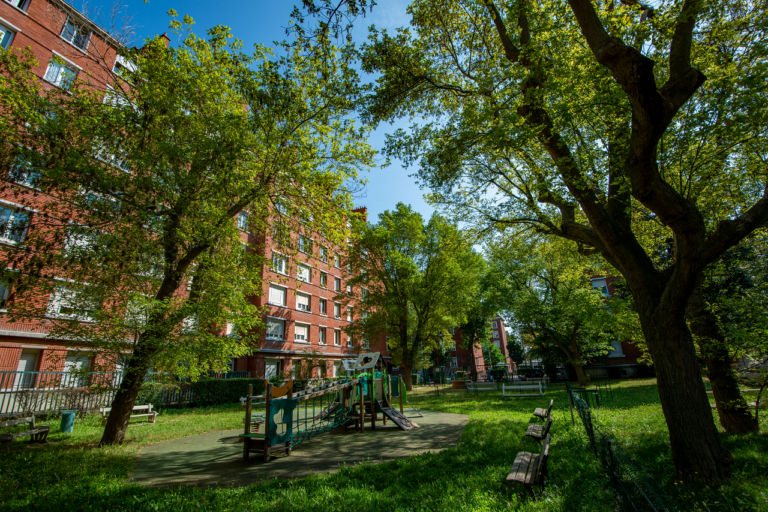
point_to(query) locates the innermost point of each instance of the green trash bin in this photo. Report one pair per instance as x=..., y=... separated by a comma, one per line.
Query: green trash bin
x=67, y=421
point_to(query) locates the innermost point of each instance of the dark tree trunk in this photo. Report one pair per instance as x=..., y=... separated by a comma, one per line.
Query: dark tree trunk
x=407, y=377
x=734, y=413
x=125, y=398
x=580, y=375
x=697, y=451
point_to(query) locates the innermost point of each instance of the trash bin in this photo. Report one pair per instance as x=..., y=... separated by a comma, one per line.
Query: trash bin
x=67, y=421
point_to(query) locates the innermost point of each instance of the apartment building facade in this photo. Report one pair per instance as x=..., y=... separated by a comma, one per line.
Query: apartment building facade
x=67, y=46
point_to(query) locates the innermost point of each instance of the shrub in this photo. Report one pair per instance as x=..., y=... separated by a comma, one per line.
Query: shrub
x=156, y=393
x=224, y=391
x=461, y=375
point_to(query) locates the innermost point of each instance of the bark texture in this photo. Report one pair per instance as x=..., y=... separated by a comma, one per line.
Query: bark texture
x=732, y=408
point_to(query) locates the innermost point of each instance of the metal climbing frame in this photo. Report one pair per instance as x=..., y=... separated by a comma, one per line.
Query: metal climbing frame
x=321, y=409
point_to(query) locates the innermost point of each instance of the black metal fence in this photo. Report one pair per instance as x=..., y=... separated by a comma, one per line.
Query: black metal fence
x=635, y=489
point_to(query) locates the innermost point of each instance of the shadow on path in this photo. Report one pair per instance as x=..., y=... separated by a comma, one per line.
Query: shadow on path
x=216, y=458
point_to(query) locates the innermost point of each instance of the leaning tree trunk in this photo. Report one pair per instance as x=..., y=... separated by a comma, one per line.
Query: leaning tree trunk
x=125, y=398
x=696, y=448
x=734, y=413
x=580, y=375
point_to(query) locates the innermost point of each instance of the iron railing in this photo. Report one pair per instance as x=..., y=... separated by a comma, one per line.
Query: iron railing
x=635, y=489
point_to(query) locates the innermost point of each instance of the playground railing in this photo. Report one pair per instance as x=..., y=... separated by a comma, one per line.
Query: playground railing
x=635, y=489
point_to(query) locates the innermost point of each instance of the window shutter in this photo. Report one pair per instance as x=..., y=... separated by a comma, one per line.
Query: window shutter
x=302, y=302
x=302, y=333
x=277, y=295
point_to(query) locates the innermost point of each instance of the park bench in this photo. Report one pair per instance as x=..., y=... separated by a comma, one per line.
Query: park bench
x=530, y=469
x=524, y=389
x=539, y=432
x=144, y=411
x=37, y=434
x=481, y=386
x=543, y=413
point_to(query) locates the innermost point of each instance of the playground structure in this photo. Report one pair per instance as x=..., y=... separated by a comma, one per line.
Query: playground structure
x=291, y=418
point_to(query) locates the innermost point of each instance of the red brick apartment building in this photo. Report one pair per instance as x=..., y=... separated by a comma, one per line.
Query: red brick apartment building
x=303, y=321
x=67, y=45
x=460, y=357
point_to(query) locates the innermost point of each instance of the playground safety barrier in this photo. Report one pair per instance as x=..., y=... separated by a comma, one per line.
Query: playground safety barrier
x=635, y=489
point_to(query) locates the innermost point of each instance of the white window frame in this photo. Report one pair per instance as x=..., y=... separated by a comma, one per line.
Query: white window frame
x=324, y=284
x=337, y=337
x=303, y=242
x=296, y=338
x=299, y=268
x=5, y=230
x=285, y=295
x=283, y=260
x=337, y=284
x=337, y=310
x=78, y=27
x=57, y=77
x=494, y=325
x=242, y=221
x=279, y=337
x=323, y=254
x=323, y=307
x=336, y=260
x=321, y=336
x=57, y=300
x=8, y=34
x=349, y=314
x=21, y=5
x=308, y=307
x=495, y=334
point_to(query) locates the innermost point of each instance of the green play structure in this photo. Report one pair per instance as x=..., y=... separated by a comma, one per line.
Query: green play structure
x=291, y=418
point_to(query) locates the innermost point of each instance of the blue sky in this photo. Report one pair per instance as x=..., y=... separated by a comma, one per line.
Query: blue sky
x=259, y=21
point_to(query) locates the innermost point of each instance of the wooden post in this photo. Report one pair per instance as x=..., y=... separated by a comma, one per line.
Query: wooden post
x=372, y=396
x=401, y=386
x=268, y=397
x=362, y=405
x=246, y=444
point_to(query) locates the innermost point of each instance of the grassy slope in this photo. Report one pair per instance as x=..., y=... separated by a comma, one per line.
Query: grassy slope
x=75, y=475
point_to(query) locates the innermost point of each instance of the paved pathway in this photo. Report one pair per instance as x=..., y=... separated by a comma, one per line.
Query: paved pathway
x=216, y=458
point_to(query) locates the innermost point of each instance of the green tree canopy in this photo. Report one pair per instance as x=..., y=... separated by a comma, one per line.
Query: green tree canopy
x=419, y=280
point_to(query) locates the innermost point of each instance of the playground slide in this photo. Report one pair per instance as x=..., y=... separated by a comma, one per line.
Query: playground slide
x=394, y=415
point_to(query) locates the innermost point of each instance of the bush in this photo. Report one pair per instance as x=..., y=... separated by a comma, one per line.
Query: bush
x=461, y=375
x=224, y=391
x=155, y=393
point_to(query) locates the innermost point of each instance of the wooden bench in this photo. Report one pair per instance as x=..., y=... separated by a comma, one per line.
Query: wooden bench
x=530, y=469
x=533, y=388
x=539, y=432
x=37, y=434
x=149, y=414
x=481, y=386
x=543, y=413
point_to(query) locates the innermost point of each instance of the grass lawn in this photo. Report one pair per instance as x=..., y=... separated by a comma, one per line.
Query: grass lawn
x=73, y=474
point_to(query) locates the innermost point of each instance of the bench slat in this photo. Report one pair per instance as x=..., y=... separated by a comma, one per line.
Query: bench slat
x=520, y=467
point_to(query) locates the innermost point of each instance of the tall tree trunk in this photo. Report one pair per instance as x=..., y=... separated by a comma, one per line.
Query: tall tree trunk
x=407, y=377
x=732, y=408
x=697, y=451
x=472, y=365
x=125, y=398
x=580, y=375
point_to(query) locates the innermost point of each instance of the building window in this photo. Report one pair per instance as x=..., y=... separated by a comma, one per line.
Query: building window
x=337, y=310
x=495, y=334
x=494, y=325
x=24, y=171
x=337, y=260
x=242, y=221
x=323, y=307
x=302, y=302
x=363, y=293
x=324, y=254
x=336, y=284
x=337, y=337
x=279, y=263
x=303, y=273
x=387, y=343
x=281, y=206
x=13, y=225
x=321, y=336
x=280, y=234
x=277, y=295
x=78, y=241
x=349, y=314
x=296, y=368
x=323, y=279
x=275, y=329
x=349, y=290
x=271, y=369
x=301, y=333
x=350, y=341
x=602, y=285
x=6, y=37
x=454, y=361
x=60, y=74
x=19, y=4
x=68, y=303
x=305, y=244
x=452, y=330
x=76, y=34
x=5, y=291
x=366, y=343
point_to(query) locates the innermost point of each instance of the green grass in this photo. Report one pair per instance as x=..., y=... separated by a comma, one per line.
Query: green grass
x=73, y=474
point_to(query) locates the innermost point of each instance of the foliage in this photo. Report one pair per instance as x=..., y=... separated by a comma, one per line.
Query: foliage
x=419, y=281
x=492, y=355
